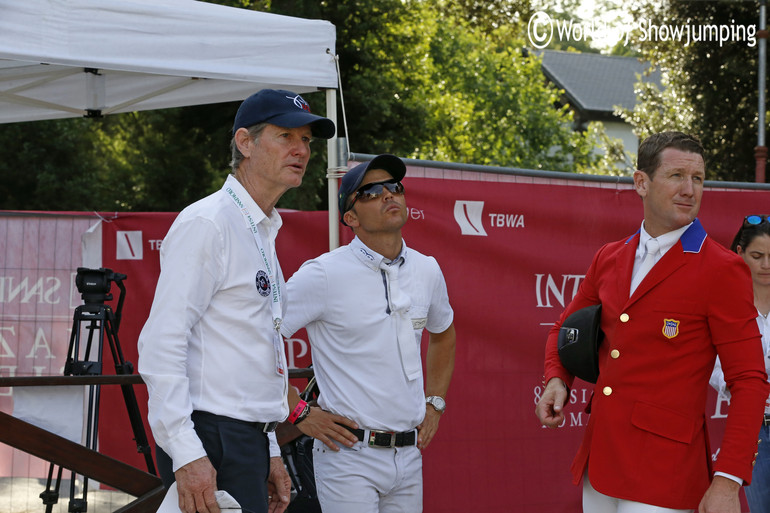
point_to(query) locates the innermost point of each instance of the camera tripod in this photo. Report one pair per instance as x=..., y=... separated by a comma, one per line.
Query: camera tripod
x=96, y=317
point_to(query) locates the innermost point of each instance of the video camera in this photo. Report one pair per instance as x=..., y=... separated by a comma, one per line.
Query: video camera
x=94, y=284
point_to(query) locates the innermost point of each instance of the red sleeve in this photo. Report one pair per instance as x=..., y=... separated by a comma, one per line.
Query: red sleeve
x=587, y=295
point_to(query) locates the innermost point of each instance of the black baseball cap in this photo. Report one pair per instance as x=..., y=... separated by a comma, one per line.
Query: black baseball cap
x=351, y=181
x=281, y=108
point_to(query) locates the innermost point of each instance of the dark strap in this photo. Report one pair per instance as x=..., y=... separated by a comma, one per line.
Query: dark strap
x=385, y=438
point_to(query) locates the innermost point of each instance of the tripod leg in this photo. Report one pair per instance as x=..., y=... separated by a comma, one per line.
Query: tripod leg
x=129, y=396
x=51, y=497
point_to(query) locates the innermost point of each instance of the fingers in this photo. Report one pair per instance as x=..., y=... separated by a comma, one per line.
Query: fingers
x=196, y=484
x=329, y=428
x=549, y=416
x=339, y=419
x=424, y=437
x=549, y=407
x=278, y=486
x=278, y=502
x=428, y=428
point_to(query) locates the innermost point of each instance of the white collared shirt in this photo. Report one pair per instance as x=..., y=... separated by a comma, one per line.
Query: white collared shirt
x=208, y=342
x=341, y=297
x=665, y=241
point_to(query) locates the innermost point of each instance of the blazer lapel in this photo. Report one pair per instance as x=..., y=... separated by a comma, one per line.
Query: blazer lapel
x=670, y=262
x=625, y=265
x=691, y=241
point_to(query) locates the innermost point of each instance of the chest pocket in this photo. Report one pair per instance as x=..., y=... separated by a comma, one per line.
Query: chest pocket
x=419, y=315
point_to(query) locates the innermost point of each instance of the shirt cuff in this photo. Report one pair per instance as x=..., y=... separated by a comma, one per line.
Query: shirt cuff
x=275, y=449
x=185, y=449
x=730, y=477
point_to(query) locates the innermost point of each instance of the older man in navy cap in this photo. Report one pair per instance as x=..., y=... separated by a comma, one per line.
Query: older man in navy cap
x=210, y=352
x=365, y=306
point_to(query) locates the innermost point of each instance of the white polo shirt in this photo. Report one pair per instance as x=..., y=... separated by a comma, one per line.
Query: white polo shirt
x=208, y=342
x=341, y=298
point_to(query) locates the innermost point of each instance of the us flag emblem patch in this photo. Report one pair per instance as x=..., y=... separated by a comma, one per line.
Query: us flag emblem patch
x=670, y=328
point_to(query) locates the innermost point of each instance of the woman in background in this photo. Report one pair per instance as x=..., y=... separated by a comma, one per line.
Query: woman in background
x=752, y=242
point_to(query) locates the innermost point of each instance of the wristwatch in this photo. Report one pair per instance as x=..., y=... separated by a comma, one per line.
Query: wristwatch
x=437, y=402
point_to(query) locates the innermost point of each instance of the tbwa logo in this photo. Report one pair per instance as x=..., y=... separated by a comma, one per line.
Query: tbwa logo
x=470, y=216
x=128, y=245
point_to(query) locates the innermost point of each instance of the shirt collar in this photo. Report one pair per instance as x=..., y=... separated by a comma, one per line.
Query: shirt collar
x=271, y=224
x=665, y=241
x=692, y=236
x=373, y=259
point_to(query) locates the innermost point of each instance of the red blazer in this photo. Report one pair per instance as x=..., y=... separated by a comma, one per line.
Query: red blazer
x=646, y=437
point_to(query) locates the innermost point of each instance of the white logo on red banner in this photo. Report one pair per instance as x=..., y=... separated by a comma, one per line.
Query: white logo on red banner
x=128, y=245
x=468, y=216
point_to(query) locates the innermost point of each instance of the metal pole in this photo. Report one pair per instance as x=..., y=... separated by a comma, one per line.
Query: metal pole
x=760, y=152
x=332, y=172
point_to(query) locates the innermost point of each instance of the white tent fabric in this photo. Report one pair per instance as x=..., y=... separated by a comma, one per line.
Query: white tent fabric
x=71, y=58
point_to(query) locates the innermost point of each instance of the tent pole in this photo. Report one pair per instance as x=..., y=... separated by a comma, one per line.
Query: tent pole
x=332, y=172
x=760, y=152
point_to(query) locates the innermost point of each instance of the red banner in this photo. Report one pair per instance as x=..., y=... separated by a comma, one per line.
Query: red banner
x=513, y=251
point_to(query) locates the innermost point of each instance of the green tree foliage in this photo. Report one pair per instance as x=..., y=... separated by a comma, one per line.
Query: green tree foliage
x=448, y=81
x=496, y=108
x=711, y=86
x=421, y=78
x=55, y=165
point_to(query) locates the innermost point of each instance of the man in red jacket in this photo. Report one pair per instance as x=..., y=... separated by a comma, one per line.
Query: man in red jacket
x=672, y=300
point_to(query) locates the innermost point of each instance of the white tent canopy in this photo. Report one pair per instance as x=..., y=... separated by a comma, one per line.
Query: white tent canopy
x=71, y=58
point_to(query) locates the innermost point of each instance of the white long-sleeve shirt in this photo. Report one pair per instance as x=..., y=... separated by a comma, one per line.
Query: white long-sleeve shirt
x=208, y=342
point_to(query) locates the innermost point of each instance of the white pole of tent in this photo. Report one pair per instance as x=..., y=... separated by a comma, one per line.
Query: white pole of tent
x=333, y=171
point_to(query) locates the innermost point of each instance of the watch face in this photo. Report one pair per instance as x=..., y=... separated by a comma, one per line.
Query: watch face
x=437, y=403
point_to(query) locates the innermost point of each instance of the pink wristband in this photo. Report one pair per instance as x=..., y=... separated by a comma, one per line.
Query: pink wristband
x=297, y=410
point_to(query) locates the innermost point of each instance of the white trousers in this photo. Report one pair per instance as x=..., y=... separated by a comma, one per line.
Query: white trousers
x=595, y=502
x=365, y=479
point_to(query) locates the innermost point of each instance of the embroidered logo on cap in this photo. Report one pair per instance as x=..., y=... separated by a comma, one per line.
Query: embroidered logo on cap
x=263, y=284
x=670, y=328
x=300, y=102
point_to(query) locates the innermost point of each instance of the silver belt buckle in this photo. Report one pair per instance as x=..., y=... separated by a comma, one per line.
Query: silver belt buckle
x=269, y=427
x=373, y=435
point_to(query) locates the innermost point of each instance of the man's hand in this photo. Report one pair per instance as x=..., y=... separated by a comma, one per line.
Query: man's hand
x=326, y=427
x=721, y=497
x=427, y=429
x=549, y=408
x=196, y=483
x=278, y=486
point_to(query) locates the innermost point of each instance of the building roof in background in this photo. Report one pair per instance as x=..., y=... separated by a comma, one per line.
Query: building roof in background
x=593, y=83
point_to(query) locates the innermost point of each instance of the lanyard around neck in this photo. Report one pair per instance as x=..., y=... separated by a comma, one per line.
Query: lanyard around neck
x=274, y=288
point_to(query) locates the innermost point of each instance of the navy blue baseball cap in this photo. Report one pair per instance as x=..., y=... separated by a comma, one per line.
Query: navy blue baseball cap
x=281, y=108
x=351, y=181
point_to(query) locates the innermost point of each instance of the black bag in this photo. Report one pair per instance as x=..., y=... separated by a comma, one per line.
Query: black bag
x=297, y=455
x=579, y=340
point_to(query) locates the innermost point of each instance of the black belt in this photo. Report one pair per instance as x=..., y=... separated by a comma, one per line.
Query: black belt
x=766, y=420
x=377, y=438
x=265, y=427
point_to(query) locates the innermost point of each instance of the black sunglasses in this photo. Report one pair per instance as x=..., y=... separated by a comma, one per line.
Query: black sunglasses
x=754, y=219
x=374, y=190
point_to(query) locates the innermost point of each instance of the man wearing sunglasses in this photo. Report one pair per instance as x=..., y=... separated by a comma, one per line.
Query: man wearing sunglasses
x=365, y=306
x=671, y=300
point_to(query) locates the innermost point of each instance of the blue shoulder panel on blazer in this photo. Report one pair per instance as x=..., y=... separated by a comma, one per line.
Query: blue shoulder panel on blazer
x=693, y=238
